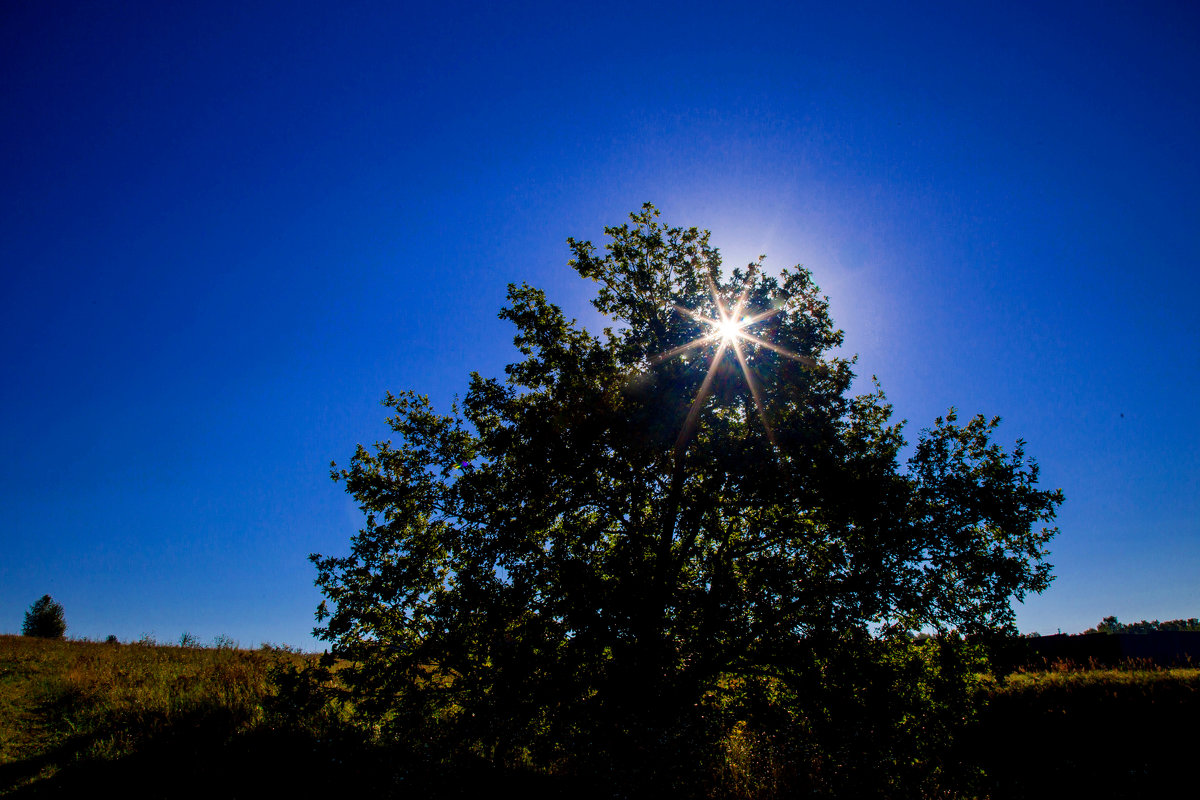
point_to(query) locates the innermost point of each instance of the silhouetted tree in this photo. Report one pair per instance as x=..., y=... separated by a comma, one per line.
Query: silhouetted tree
x=643, y=538
x=45, y=619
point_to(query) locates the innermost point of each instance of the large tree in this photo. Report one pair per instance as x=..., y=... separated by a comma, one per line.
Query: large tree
x=633, y=521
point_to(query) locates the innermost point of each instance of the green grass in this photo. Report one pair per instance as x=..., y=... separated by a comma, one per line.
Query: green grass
x=150, y=721
x=70, y=708
x=1129, y=732
x=159, y=721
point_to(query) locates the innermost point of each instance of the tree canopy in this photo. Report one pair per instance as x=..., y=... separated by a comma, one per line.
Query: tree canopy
x=634, y=520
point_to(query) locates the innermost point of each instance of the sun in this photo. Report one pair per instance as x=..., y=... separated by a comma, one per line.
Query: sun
x=729, y=330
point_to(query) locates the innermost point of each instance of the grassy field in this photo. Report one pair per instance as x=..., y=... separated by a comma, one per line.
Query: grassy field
x=155, y=720
x=1070, y=731
x=159, y=721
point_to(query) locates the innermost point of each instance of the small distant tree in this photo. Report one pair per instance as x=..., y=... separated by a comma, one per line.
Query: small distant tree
x=45, y=619
x=1108, y=625
x=223, y=642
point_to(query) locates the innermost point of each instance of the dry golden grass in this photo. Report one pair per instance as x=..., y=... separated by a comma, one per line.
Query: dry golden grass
x=65, y=702
x=213, y=723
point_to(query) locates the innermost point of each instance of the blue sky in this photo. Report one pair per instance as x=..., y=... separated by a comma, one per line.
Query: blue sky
x=226, y=231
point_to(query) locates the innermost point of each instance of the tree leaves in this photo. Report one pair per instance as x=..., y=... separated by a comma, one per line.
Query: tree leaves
x=596, y=542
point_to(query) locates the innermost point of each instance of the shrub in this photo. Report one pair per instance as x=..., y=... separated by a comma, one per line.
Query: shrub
x=45, y=619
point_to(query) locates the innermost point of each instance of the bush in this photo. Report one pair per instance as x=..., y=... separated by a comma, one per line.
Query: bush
x=223, y=642
x=45, y=619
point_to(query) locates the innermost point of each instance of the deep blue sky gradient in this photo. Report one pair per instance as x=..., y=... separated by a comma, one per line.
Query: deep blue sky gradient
x=226, y=230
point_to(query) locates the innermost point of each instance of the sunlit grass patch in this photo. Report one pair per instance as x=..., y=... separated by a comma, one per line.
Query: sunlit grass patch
x=1072, y=730
x=76, y=714
x=66, y=703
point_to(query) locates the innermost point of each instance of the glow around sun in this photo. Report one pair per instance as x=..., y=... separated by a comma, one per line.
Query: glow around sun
x=730, y=329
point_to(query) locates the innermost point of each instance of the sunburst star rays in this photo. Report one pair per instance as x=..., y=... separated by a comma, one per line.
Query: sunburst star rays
x=729, y=330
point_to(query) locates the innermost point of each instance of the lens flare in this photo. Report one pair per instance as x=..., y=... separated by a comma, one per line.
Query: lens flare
x=728, y=329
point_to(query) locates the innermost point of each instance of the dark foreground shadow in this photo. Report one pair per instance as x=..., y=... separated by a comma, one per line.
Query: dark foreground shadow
x=1134, y=740
x=203, y=761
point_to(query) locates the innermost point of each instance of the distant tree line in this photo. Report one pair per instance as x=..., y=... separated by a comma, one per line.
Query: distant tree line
x=1113, y=625
x=1174, y=642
